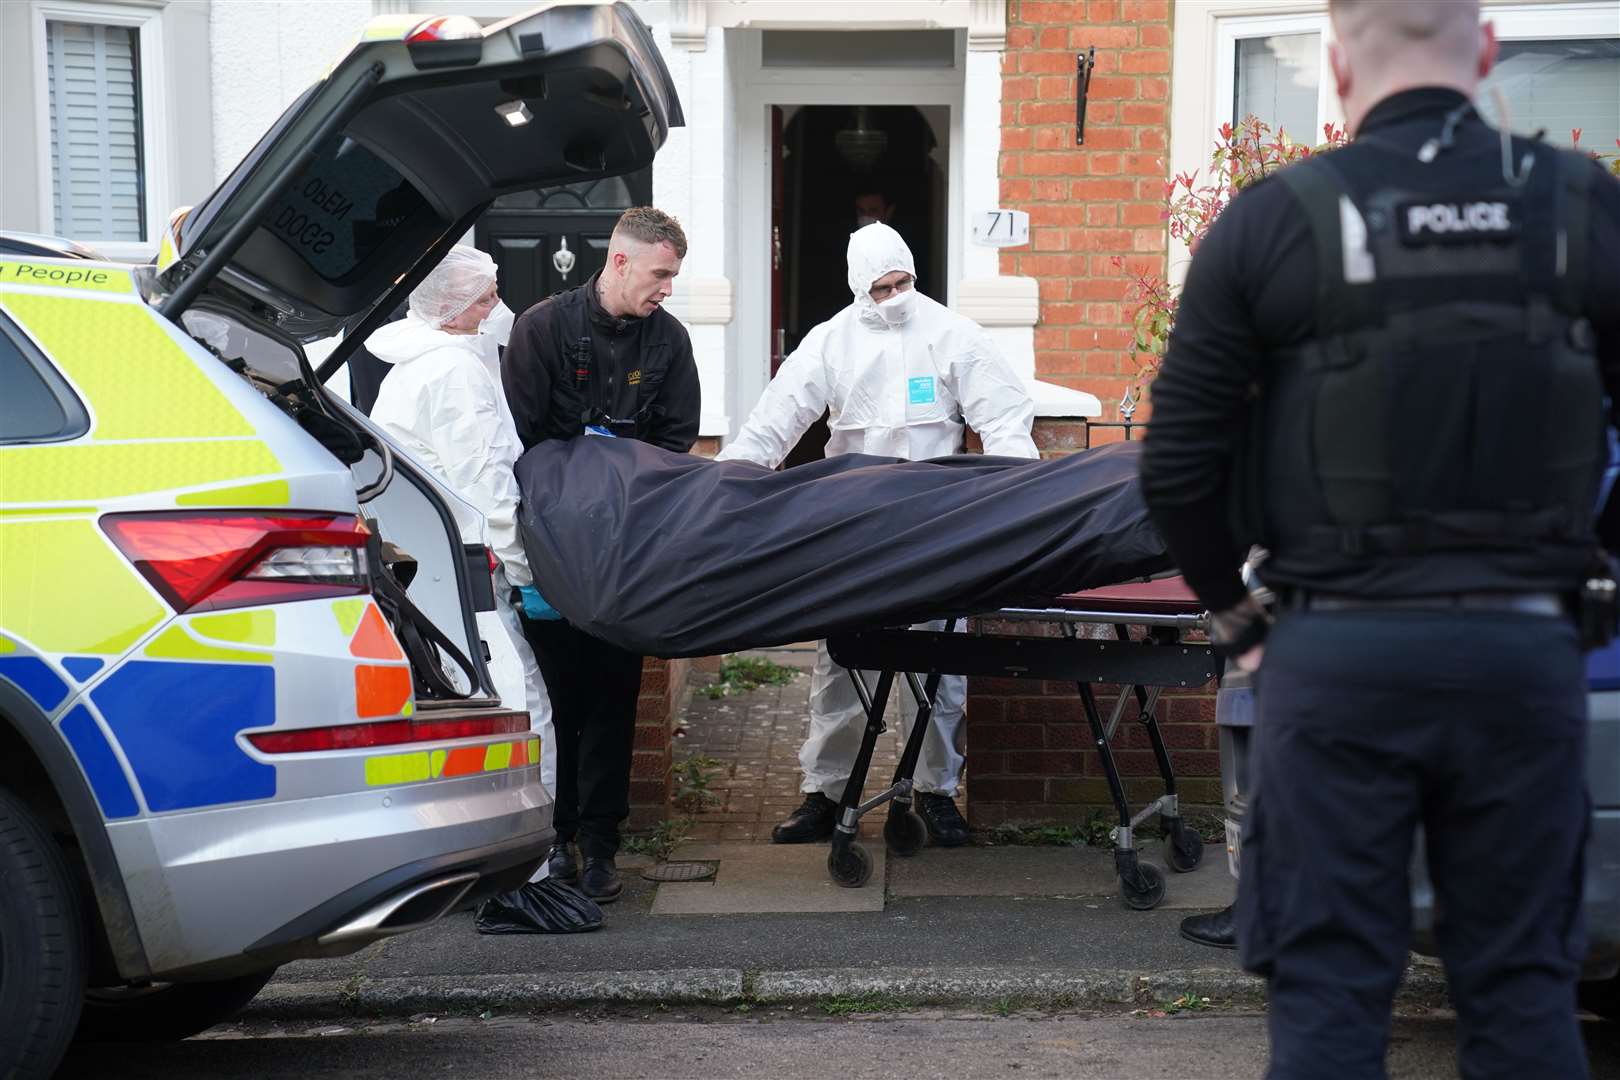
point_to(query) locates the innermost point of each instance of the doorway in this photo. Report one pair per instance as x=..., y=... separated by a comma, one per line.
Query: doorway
x=834, y=167
x=552, y=239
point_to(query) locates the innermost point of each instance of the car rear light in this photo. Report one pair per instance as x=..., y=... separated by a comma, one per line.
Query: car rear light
x=445, y=41
x=206, y=560
x=445, y=28
x=388, y=733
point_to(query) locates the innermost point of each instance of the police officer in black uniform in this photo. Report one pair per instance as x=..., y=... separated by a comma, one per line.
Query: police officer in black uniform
x=604, y=358
x=1389, y=366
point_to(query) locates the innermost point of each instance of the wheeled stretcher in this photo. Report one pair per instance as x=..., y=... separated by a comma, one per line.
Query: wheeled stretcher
x=1140, y=636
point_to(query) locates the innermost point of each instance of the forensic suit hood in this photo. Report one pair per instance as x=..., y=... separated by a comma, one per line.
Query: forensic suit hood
x=442, y=403
x=902, y=389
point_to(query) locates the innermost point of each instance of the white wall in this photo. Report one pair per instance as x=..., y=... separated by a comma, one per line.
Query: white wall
x=265, y=53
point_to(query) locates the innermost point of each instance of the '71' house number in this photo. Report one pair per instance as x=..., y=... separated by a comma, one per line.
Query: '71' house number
x=1001, y=228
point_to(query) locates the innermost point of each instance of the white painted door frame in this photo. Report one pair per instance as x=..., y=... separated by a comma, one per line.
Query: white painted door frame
x=755, y=90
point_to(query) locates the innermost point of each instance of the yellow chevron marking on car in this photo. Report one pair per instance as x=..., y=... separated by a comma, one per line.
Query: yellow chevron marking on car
x=175, y=644
x=241, y=627
x=166, y=251
x=43, y=511
x=498, y=756
x=7, y=645
x=348, y=614
x=68, y=275
x=67, y=591
x=99, y=346
x=403, y=768
x=268, y=493
x=392, y=769
x=114, y=470
x=390, y=27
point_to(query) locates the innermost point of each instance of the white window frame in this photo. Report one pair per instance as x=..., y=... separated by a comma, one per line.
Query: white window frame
x=1202, y=65
x=148, y=22
x=1232, y=30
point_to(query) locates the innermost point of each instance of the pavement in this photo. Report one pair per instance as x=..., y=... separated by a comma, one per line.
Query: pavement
x=978, y=925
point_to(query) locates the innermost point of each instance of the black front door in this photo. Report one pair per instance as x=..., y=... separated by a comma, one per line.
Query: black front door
x=553, y=239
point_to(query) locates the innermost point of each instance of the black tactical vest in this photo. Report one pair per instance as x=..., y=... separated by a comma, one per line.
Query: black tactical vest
x=582, y=396
x=1450, y=406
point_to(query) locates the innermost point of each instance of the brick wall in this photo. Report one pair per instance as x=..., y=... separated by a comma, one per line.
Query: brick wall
x=1030, y=758
x=1029, y=749
x=1087, y=205
x=663, y=688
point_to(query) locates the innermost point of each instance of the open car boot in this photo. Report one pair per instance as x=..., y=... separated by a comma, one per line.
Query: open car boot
x=349, y=201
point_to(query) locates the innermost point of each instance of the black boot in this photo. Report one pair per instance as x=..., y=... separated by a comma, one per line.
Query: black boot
x=812, y=821
x=944, y=822
x=560, y=865
x=1215, y=929
x=600, y=881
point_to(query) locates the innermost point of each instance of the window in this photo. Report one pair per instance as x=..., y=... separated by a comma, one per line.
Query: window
x=37, y=405
x=92, y=77
x=1275, y=67
x=343, y=206
x=1558, y=86
x=1559, y=68
x=1278, y=79
x=101, y=164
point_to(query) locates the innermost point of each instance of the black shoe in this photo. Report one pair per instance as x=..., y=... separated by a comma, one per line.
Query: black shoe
x=600, y=881
x=1215, y=929
x=812, y=821
x=944, y=822
x=560, y=865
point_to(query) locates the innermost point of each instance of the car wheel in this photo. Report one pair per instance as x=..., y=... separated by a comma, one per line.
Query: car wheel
x=1601, y=997
x=42, y=946
x=165, y=1012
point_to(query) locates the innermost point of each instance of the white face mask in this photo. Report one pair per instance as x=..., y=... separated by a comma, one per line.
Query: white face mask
x=899, y=307
x=498, y=323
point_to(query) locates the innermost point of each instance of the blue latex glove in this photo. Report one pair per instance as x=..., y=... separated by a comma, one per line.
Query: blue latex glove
x=535, y=606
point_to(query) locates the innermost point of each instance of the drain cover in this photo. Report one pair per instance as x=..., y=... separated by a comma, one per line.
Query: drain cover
x=681, y=871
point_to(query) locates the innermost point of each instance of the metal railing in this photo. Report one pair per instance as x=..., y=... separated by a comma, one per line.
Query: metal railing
x=1127, y=410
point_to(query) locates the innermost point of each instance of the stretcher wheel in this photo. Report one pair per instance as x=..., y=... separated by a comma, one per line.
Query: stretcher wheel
x=1183, y=849
x=1142, y=888
x=850, y=867
x=905, y=832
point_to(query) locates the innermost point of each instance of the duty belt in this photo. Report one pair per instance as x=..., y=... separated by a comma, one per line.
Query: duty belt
x=1530, y=603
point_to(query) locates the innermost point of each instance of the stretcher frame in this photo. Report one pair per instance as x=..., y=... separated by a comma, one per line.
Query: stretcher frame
x=1167, y=651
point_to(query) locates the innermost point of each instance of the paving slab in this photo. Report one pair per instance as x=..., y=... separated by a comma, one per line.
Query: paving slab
x=759, y=878
x=1051, y=872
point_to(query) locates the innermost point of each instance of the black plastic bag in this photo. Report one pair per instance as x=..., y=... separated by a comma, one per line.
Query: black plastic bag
x=669, y=554
x=540, y=907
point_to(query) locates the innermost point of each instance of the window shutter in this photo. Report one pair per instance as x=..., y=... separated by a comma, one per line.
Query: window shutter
x=97, y=181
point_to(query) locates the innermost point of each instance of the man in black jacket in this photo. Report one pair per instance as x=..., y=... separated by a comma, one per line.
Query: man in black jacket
x=1388, y=367
x=601, y=359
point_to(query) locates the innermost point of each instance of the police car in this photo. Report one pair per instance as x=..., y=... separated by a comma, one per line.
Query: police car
x=1600, y=992
x=245, y=714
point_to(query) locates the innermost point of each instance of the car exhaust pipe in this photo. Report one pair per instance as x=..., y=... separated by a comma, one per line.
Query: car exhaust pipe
x=409, y=909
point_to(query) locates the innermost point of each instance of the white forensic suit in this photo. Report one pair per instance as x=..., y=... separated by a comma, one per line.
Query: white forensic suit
x=443, y=402
x=898, y=380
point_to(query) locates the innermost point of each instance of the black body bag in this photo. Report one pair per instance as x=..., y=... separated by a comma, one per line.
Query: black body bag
x=673, y=555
